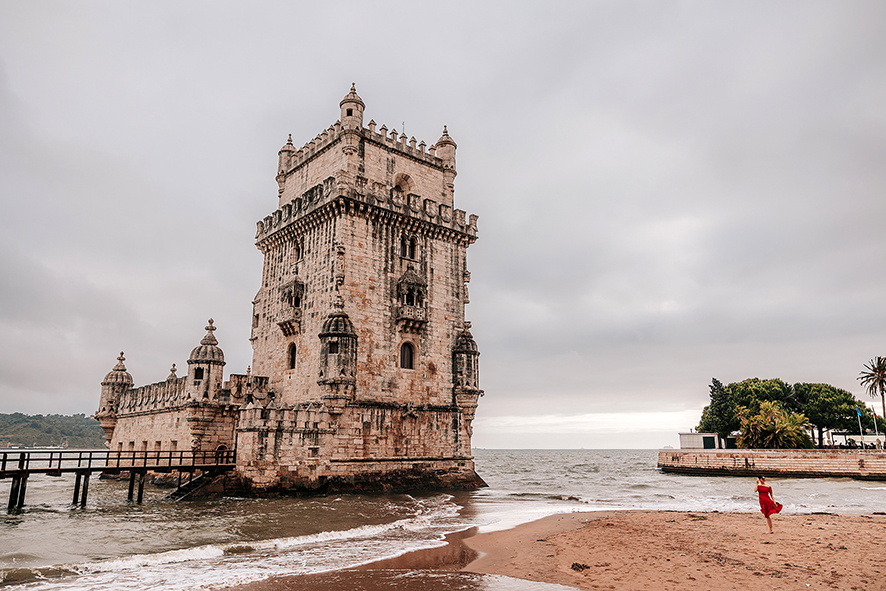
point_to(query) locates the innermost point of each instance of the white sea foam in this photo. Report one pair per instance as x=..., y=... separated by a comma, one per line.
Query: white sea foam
x=216, y=565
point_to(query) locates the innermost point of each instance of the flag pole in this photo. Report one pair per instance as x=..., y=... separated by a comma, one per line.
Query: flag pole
x=876, y=430
x=860, y=433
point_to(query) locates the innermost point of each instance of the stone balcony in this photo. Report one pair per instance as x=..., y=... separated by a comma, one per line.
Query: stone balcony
x=289, y=321
x=413, y=317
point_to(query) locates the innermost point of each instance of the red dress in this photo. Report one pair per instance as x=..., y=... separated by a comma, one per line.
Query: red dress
x=767, y=505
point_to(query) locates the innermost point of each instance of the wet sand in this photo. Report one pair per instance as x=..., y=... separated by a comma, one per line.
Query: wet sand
x=634, y=550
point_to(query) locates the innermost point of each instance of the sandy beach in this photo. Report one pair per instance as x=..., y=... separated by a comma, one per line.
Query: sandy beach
x=639, y=550
x=677, y=550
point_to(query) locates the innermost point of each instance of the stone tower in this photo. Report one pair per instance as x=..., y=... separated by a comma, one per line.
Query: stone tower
x=359, y=324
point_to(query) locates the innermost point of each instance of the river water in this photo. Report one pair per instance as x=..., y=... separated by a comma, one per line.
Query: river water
x=168, y=546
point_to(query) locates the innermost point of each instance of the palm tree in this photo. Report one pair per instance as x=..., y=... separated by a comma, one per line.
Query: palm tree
x=772, y=428
x=874, y=379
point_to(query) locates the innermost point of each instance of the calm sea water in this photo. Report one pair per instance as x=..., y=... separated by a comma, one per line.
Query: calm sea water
x=161, y=545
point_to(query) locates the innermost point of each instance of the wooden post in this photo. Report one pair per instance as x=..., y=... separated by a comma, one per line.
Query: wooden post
x=13, y=494
x=21, y=492
x=141, y=487
x=76, y=488
x=131, y=484
x=85, y=489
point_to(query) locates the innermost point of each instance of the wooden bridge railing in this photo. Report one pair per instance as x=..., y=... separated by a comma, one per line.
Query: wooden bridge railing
x=19, y=465
x=55, y=462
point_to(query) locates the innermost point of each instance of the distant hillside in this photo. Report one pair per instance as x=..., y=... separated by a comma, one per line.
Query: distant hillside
x=79, y=431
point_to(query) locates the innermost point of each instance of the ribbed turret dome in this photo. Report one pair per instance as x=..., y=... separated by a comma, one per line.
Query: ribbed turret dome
x=445, y=139
x=465, y=341
x=352, y=97
x=118, y=375
x=338, y=323
x=288, y=147
x=207, y=350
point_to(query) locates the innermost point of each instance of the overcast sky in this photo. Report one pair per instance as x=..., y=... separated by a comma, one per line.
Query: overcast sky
x=668, y=191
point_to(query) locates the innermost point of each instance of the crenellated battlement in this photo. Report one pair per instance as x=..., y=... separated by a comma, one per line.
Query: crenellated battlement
x=372, y=194
x=399, y=143
x=157, y=396
x=333, y=134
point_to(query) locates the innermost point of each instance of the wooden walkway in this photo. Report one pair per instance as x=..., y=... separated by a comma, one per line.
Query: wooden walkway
x=19, y=465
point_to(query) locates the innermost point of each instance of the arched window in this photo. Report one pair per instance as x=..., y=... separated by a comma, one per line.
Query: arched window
x=404, y=248
x=407, y=355
x=291, y=356
x=411, y=254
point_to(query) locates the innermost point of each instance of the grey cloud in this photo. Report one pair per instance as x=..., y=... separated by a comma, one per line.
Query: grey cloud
x=667, y=192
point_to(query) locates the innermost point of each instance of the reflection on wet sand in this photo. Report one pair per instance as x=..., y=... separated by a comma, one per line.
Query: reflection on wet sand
x=408, y=572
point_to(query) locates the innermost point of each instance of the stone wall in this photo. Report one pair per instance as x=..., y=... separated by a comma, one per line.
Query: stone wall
x=307, y=447
x=197, y=426
x=797, y=463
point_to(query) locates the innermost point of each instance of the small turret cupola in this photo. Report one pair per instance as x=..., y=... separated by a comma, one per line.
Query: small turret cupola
x=286, y=154
x=115, y=384
x=446, y=149
x=446, y=152
x=118, y=376
x=205, y=367
x=352, y=110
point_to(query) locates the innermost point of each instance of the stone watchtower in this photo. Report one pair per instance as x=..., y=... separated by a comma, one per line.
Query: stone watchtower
x=359, y=324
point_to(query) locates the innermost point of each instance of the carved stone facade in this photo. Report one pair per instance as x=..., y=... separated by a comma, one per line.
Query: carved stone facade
x=365, y=371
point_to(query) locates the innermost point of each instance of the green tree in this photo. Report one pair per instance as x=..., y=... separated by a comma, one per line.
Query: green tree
x=720, y=415
x=772, y=427
x=873, y=378
x=828, y=407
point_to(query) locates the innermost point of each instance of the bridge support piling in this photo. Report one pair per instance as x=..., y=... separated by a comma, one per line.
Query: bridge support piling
x=141, y=487
x=13, y=494
x=131, y=485
x=85, y=489
x=77, y=478
x=21, y=493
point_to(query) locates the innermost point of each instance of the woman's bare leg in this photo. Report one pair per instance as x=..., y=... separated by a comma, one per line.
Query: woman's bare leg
x=769, y=521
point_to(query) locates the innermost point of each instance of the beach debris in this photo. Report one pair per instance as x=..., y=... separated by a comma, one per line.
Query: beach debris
x=579, y=566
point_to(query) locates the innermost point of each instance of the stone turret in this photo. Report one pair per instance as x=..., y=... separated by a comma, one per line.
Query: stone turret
x=338, y=358
x=205, y=367
x=465, y=361
x=466, y=375
x=352, y=124
x=116, y=382
x=284, y=156
x=446, y=152
x=352, y=110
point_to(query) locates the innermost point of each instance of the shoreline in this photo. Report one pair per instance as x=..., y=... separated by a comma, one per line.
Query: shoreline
x=654, y=550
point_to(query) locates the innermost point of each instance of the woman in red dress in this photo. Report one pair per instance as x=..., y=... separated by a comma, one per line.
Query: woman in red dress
x=768, y=506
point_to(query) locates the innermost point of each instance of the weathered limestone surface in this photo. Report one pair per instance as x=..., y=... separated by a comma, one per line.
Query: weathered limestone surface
x=364, y=372
x=798, y=463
